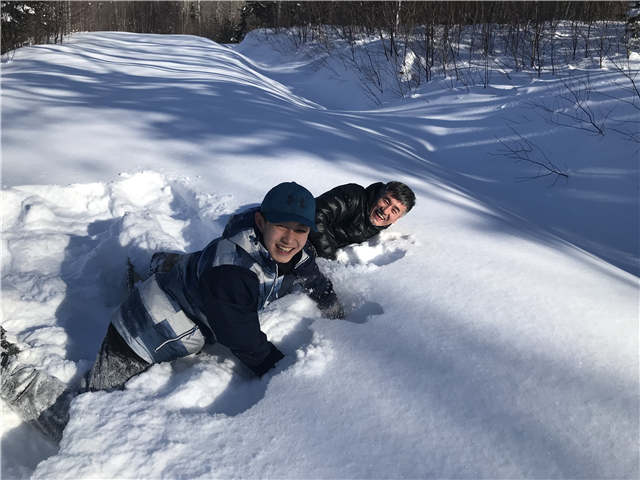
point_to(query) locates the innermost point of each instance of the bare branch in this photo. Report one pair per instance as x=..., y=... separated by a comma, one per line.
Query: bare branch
x=523, y=150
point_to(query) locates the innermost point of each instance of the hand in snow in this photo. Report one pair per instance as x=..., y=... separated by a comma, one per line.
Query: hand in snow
x=334, y=311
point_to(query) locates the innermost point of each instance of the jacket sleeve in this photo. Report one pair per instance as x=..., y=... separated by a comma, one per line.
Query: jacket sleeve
x=333, y=208
x=320, y=290
x=231, y=303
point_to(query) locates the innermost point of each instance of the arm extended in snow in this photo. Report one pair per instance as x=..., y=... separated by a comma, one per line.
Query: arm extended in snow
x=320, y=290
x=231, y=298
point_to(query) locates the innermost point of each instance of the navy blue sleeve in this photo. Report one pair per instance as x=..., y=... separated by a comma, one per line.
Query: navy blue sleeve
x=231, y=301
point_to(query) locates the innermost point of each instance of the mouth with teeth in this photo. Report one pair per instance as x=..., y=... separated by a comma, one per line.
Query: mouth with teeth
x=378, y=216
x=284, y=250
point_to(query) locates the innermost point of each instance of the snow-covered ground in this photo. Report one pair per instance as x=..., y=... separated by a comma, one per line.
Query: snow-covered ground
x=493, y=332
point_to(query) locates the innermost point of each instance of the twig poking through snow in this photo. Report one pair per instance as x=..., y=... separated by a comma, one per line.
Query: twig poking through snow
x=522, y=149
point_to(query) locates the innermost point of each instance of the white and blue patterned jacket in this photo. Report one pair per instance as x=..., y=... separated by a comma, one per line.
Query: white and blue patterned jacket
x=215, y=295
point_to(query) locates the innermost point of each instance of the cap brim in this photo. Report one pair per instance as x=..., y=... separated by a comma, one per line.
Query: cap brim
x=275, y=217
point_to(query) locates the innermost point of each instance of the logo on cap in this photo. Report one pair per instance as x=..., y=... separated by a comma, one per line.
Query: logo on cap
x=290, y=202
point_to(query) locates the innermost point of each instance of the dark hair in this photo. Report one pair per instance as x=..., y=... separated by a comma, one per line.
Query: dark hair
x=402, y=193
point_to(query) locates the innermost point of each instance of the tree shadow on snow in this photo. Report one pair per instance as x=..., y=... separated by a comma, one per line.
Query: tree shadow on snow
x=543, y=416
x=94, y=271
x=23, y=447
x=220, y=98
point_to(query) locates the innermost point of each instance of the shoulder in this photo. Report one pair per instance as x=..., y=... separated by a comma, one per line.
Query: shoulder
x=241, y=250
x=375, y=189
x=373, y=192
x=240, y=221
x=348, y=189
x=342, y=198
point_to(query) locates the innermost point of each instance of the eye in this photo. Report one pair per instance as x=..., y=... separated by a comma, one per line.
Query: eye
x=386, y=201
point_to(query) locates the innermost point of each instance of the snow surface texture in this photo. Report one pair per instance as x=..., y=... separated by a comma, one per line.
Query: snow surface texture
x=480, y=341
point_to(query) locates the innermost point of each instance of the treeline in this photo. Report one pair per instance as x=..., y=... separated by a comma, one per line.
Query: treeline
x=402, y=14
x=437, y=22
x=25, y=23
x=459, y=40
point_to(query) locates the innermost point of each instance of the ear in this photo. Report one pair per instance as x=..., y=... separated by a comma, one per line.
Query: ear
x=260, y=221
x=406, y=210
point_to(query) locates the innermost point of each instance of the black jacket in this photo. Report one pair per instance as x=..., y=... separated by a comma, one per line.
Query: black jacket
x=342, y=217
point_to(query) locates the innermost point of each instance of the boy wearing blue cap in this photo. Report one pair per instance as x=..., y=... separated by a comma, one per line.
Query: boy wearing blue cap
x=208, y=296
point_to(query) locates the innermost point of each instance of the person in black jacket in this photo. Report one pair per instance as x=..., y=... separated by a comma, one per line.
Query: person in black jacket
x=353, y=214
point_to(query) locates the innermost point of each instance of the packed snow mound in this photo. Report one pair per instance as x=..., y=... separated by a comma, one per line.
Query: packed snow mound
x=65, y=250
x=327, y=79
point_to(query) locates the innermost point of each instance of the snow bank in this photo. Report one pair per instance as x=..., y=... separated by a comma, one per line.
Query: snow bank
x=240, y=118
x=477, y=345
x=513, y=358
x=65, y=250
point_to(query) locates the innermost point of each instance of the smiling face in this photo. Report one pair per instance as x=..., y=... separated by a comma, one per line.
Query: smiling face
x=283, y=240
x=386, y=211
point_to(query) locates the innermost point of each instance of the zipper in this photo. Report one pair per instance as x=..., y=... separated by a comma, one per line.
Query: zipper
x=188, y=332
x=303, y=258
x=273, y=285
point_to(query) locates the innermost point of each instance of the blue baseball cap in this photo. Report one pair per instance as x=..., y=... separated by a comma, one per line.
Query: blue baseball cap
x=289, y=202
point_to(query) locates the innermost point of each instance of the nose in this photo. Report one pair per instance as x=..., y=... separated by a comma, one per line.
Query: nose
x=286, y=236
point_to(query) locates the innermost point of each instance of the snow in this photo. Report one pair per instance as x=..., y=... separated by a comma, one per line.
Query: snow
x=492, y=332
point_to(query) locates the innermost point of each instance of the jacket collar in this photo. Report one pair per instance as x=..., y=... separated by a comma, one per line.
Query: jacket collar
x=373, y=192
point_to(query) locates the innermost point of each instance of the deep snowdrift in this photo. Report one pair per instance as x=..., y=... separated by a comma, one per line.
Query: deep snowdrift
x=478, y=344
